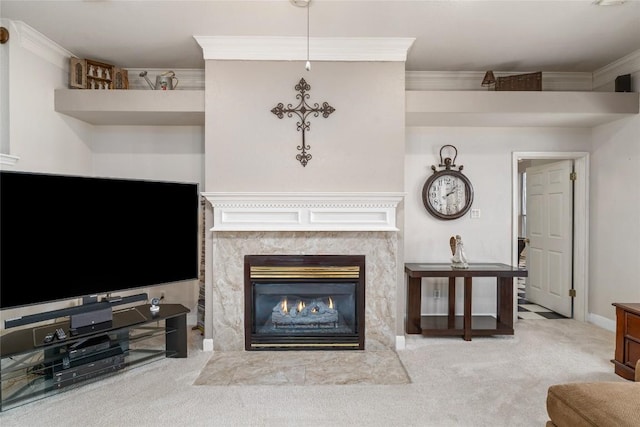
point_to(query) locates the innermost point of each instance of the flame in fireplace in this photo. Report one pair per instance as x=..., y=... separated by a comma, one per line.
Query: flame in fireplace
x=301, y=305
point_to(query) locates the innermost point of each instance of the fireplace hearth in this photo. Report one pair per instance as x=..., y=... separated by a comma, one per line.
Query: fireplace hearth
x=304, y=302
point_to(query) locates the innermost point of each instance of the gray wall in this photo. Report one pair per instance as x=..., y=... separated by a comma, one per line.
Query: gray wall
x=360, y=147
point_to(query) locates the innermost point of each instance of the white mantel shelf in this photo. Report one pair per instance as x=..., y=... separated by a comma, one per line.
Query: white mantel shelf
x=133, y=107
x=518, y=108
x=304, y=211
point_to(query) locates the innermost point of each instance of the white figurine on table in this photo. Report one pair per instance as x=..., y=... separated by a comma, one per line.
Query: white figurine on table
x=459, y=259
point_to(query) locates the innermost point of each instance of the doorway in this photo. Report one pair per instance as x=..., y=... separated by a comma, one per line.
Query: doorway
x=580, y=221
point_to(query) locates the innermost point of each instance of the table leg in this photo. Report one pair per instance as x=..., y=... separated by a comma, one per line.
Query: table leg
x=414, y=298
x=504, y=313
x=176, y=336
x=467, y=308
x=452, y=303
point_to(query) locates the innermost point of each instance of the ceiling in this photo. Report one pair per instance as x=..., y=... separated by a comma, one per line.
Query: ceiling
x=451, y=35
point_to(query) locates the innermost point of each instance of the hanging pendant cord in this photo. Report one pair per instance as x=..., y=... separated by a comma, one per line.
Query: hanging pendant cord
x=308, y=6
x=308, y=64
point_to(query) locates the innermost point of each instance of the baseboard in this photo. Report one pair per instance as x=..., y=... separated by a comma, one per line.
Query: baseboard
x=207, y=344
x=603, y=322
x=192, y=318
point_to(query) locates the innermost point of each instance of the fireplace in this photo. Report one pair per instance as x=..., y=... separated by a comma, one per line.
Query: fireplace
x=304, y=302
x=354, y=224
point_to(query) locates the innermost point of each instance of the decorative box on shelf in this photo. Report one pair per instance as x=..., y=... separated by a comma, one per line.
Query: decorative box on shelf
x=90, y=74
x=530, y=81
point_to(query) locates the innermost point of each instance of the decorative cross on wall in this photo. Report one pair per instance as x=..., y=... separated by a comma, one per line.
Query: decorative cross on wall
x=303, y=110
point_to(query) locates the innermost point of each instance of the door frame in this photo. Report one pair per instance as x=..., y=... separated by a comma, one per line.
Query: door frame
x=580, y=222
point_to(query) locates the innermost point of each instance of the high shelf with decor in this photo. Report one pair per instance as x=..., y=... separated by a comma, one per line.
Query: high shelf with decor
x=37, y=362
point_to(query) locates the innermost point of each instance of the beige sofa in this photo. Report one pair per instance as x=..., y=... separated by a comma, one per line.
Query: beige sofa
x=602, y=404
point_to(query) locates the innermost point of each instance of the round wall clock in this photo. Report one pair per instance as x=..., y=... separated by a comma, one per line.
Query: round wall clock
x=448, y=193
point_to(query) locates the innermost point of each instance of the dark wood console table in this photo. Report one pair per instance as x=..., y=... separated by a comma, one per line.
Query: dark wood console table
x=466, y=325
x=627, y=339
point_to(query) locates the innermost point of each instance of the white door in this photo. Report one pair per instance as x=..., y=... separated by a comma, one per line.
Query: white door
x=550, y=233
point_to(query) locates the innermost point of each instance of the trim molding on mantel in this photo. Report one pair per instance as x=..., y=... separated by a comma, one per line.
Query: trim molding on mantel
x=304, y=211
x=295, y=48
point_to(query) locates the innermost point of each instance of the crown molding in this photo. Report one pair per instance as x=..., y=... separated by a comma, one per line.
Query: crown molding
x=567, y=81
x=37, y=43
x=625, y=65
x=9, y=160
x=295, y=48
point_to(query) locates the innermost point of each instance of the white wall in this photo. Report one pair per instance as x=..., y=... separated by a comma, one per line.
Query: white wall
x=4, y=92
x=360, y=147
x=486, y=154
x=614, y=208
x=172, y=153
x=42, y=139
x=615, y=216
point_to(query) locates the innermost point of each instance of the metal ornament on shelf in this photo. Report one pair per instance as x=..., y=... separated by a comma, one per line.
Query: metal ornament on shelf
x=302, y=111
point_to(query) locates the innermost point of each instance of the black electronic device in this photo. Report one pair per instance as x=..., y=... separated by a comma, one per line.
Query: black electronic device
x=88, y=236
x=82, y=320
x=84, y=348
x=85, y=371
x=73, y=311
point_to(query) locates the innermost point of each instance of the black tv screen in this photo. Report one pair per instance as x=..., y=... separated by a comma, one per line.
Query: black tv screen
x=65, y=237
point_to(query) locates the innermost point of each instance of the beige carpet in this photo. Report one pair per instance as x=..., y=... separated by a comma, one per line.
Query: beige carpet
x=303, y=368
x=487, y=382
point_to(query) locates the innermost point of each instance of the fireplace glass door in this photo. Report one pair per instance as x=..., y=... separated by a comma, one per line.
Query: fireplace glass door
x=312, y=311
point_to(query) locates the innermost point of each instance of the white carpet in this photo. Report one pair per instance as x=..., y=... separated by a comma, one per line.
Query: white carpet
x=490, y=381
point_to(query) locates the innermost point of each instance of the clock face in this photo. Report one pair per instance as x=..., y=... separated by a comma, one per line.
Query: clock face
x=447, y=194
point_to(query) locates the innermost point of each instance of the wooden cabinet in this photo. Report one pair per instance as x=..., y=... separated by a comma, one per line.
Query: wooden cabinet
x=627, y=339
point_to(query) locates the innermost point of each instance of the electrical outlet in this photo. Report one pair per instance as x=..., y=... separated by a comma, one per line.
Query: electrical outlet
x=475, y=213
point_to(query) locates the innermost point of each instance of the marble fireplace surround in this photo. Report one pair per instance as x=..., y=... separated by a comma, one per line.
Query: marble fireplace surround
x=301, y=224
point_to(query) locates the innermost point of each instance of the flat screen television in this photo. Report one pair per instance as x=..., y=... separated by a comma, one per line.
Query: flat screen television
x=64, y=237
